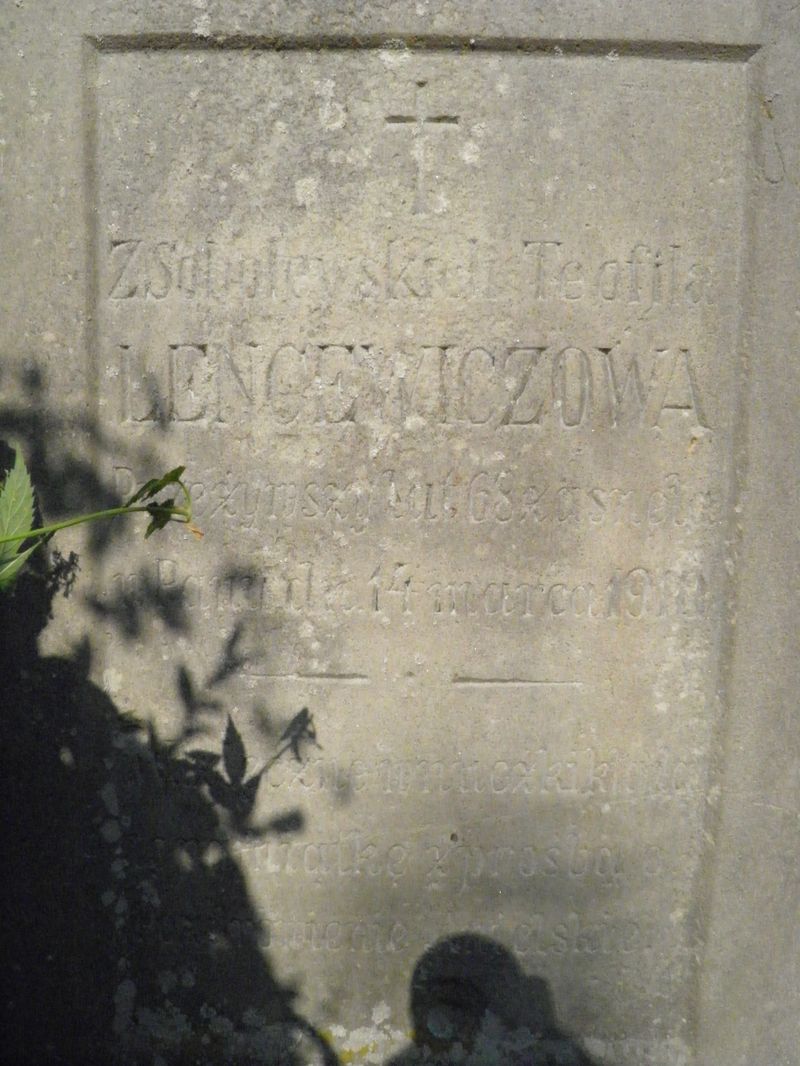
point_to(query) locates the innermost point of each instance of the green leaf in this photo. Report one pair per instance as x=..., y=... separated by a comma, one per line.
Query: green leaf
x=9, y=568
x=160, y=515
x=155, y=485
x=16, y=507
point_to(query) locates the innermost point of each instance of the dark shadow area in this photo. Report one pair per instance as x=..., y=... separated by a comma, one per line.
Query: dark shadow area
x=130, y=609
x=472, y=1004
x=57, y=449
x=128, y=933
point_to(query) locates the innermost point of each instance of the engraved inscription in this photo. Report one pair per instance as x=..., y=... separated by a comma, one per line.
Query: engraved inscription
x=536, y=938
x=447, y=340
x=561, y=386
x=453, y=865
x=484, y=498
x=578, y=773
x=394, y=590
x=651, y=280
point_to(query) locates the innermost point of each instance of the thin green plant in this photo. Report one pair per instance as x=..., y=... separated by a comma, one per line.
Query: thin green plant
x=17, y=515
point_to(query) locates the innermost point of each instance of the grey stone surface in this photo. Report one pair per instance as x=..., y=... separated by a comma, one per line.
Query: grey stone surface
x=474, y=329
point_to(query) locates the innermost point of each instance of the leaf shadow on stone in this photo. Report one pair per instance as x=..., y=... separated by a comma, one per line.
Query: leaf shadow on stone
x=130, y=609
x=129, y=932
x=232, y=658
x=64, y=474
x=129, y=935
x=195, y=702
x=232, y=789
x=472, y=1004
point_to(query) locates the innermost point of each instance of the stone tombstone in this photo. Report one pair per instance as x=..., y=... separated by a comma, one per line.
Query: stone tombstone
x=472, y=331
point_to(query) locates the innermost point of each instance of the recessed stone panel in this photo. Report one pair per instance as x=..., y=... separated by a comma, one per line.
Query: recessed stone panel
x=447, y=341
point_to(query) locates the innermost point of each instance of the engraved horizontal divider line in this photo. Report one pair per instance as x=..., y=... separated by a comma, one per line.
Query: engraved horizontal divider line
x=450, y=120
x=323, y=678
x=699, y=51
x=458, y=680
x=518, y=682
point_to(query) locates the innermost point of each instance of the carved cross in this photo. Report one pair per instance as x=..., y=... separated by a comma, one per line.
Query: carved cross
x=418, y=122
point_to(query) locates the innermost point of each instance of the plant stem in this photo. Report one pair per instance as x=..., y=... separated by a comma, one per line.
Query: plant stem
x=177, y=513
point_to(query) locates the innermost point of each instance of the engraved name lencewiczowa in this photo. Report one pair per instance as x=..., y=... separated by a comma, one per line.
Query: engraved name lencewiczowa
x=560, y=386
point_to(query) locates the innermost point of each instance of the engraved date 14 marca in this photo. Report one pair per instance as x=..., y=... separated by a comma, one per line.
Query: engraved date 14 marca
x=391, y=591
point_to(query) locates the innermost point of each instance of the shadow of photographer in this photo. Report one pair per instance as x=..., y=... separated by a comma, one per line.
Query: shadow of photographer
x=472, y=1004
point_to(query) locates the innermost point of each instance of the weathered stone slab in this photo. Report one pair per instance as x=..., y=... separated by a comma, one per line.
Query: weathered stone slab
x=449, y=334
x=446, y=341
